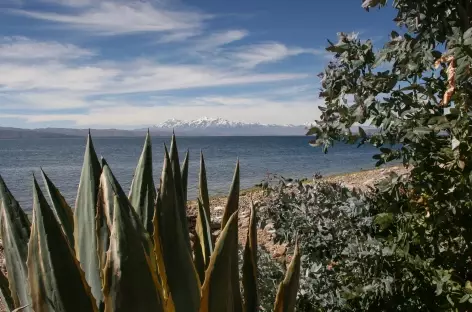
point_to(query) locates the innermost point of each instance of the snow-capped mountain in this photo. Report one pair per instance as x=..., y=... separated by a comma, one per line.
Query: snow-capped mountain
x=220, y=126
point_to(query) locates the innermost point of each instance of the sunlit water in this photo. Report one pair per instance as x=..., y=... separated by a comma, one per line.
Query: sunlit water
x=62, y=160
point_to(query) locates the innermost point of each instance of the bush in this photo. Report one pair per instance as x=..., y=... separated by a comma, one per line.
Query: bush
x=350, y=260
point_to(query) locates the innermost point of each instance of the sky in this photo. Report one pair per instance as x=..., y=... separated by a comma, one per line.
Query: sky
x=136, y=63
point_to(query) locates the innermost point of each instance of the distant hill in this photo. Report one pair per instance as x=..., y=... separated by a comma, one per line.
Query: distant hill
x=17, y=133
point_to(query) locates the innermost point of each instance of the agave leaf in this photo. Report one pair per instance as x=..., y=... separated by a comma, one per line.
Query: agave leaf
x=56, y=281
x=109, y=188
x=15, y=231
x=184, y=172
x=62, y=210
x=174, y=257
x=232, y=206
x=198, y=260
x=181, y=205
x=203, y=186
x=251, y=299
x=203, y=230
x=143, y=193
x=217, y=292
x=287, y=294
x=5, y=293
x=129, y=284
x=84, y=221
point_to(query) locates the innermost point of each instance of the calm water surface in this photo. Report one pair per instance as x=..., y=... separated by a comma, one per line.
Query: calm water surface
x=62, y=160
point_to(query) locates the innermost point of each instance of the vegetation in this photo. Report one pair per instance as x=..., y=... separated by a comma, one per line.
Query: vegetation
x=120, y=253
x=407, y=246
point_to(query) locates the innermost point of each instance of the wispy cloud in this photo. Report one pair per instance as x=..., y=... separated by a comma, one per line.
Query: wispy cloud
x=125, y=115
x=219, y=39
x=22, y=48
x=115, y=18
x=252, y=55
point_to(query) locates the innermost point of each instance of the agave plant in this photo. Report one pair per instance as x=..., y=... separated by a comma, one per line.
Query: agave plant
x=129, y=253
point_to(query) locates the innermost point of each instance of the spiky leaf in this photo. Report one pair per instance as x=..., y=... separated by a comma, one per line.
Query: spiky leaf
x=203, y=186
x=62, y=210
x=56, y=281
x=198, y=260
x=181, y=205
x=287, y=294
x=143, y=193
x=109, y=188
x=217, y=291
x=184, y=174
x=251, y=300
x=174, y=257
x=84, y=221
x=15, y=231
x=129, y=284
x=5, y=293
x=232, y=206
x=203, y=230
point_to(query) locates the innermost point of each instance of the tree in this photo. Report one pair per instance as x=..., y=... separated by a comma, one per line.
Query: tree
x=416, y=91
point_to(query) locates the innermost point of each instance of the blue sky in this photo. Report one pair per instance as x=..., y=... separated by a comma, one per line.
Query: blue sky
x=135, y=63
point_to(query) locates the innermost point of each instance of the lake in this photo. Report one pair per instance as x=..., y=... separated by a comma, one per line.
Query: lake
x=62, y=160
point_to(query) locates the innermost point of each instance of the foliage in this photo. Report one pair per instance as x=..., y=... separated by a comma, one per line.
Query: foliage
x=416, y=91
x=135, y=262
x=349, y=263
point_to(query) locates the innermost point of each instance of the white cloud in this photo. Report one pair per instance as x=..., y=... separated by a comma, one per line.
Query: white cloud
x=22, y=48
x=112, y=18
x=122, y=78
x=252, y=55
x=123, y=115
x=219, y=39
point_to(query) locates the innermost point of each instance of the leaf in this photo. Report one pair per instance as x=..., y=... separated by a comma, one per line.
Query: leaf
x=203, y=230
x=232, y=206
x=184, y=173
x=5, y=294
x=287, y=294
x=84, y=221
x=217, y=290
x=109, y=189
x=15, y=232
x=129, y=281
x=174, y=257
x=198, y=261
x=56, y=281
x=455, y=143
x=179, y=193
x=61, y=209
x=203, y=187
x=251, y=298
x=143, y=191
x=362, y=133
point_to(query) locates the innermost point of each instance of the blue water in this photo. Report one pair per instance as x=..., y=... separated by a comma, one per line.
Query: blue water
x=62, y=159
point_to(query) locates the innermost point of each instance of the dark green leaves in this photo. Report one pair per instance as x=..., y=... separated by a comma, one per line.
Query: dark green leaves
x=130, y=284
x=15, y=232
x=84, y=220
x=231, y=209
x=287, y=294
x=56, y=281
x=182, y=278
x=251, y=298
x=217, y=291
x=143, y=193
x=62, y=210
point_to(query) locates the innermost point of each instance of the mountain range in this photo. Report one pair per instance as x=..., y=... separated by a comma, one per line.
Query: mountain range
x=222, y=127
x=200, y=127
